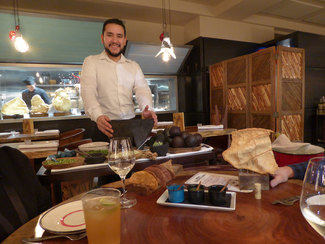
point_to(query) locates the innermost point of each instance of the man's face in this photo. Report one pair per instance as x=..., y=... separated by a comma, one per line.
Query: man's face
x=114, y=39
x=30, y=87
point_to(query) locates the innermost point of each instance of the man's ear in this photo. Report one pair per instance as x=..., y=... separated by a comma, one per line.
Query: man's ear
x=102, y=38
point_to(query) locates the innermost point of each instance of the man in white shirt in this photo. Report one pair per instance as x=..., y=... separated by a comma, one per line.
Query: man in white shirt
x=108, y=81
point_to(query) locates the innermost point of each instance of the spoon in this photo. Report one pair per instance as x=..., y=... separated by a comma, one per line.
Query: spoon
x=72, y=237
x=224, y=187
x=198, y=186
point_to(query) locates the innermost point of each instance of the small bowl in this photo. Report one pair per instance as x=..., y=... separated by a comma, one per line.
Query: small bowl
x=215, y=196
x=195, y=195
x=174, y=194
x=95, y=158
x=160, y=150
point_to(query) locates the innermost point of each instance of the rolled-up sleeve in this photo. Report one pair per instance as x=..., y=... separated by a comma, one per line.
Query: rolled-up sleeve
x=88, y=87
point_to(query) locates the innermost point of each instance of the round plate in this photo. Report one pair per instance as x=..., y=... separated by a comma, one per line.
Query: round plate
x=98, y=145
x=66, y=218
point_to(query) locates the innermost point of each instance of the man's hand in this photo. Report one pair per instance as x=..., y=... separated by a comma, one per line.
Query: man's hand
x=104, y=125
x=281, y=176
x=148, y=114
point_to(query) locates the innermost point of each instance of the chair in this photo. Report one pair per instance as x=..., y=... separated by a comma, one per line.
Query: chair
x=71, y=136
x=22, y=197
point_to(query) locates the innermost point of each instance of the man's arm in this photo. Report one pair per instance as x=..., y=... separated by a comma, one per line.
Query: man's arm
x=282, y=175
x=45, y=97
x=89, y=94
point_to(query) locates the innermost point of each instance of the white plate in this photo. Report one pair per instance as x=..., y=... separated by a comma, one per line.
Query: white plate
x=162, y=200
x=98, y=145
x=66, y=218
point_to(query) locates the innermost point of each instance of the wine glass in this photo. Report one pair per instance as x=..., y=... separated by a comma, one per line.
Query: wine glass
x=121, y=160
x=312, y=199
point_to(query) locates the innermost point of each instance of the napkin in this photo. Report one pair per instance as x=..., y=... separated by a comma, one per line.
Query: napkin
x=39, y=145
x=47, y=132
x=283, y=143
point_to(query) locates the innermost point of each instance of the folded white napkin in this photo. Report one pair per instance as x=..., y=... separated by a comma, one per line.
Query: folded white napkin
x=210, y=127
x=164, y=123
x=283, y=143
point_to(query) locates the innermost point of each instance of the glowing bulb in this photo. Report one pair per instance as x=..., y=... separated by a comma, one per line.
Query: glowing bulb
x=37, y=74
x=165, y=56
x=41, y=80
x=21, y=45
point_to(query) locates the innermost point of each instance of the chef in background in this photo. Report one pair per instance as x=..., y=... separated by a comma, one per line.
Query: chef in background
x=32, y=90
x=108, y=81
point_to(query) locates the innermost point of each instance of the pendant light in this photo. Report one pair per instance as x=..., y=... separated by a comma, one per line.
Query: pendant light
x=166, y=49
x=16, y=36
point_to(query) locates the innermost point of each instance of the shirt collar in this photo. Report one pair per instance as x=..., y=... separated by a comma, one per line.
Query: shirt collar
x=123, y=59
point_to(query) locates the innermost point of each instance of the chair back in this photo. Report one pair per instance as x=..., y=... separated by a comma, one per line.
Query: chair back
x=71, y=136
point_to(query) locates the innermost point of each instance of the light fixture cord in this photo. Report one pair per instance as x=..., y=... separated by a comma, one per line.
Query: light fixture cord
x=163, y=16
x=16, y=13
x=170, y=22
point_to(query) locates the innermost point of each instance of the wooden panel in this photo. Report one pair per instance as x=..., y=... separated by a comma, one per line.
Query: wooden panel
x=261, y=67
x=261, y=98
x=292, y=64
x=237, y=99
x=292, y=97
x=262, y=121
x=236, y=71
x=291, y=125
x=217, y=75
x=237, y=120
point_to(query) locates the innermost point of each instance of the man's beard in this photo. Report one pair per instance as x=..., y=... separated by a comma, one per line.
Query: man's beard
x=114, y=54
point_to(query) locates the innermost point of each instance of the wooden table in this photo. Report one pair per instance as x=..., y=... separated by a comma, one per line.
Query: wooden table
x=53, y=180
x=35, y=153
x=32, y=137
x=253, y=221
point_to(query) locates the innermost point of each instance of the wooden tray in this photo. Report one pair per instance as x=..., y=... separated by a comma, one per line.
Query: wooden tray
x=61, y=113
x=38, y=114
x=15, y=116
x=77, y=162
x=183, y=149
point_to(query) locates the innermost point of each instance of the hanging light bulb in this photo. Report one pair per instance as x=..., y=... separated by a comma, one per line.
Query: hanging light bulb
x=166, y=48
x=21, y=45
x=19, y=42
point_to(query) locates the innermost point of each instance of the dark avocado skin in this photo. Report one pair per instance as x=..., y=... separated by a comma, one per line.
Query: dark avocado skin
x=178, y=142
x=199, y=138
x=190, y=141
x=174, y=131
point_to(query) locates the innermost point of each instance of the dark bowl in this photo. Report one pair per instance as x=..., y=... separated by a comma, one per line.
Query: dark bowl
x=160, y=150
x=195, y=196
x=215, y=196
x=95, y=158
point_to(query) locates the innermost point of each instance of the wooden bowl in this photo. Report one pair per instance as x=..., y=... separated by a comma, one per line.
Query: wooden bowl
x=64, y=163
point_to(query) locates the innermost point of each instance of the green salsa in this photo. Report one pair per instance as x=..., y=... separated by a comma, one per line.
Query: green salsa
x=60, y=161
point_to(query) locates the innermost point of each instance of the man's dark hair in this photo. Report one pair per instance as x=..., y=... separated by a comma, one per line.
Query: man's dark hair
x=30, y=80
x=114, y=21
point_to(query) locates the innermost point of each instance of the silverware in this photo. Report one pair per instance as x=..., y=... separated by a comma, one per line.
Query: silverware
x=73, y=237
x=287, y=201
x=147, y=139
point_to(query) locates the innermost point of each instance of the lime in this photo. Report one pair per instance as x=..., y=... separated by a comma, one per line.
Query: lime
x=107, y=202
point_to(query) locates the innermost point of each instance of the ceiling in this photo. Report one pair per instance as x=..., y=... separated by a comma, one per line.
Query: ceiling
x=285, y=16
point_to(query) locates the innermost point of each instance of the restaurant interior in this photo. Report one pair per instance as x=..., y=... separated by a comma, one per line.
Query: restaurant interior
x=237, y=155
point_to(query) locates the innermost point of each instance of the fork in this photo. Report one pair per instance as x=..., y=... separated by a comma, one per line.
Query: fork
x=73, y=237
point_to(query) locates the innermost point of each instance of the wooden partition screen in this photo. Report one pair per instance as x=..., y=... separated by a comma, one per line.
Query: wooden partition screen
x=264, y=89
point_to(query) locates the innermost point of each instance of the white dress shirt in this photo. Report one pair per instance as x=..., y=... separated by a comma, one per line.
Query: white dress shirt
x=107, y=87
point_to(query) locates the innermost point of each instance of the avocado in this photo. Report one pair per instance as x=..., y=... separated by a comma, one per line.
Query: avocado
x=178, y=141
x=190, y=141
x=199, y=138
x=174, y=131
x=184, y=134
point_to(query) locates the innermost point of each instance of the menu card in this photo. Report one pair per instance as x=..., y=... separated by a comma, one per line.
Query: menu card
x=208, y=179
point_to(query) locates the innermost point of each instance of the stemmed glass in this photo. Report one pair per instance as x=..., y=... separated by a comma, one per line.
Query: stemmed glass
x=312, y=199
x=121, y=160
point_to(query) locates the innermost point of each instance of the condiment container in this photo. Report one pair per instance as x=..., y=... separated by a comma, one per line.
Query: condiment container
x=175, y=193
x=217, y=197
x=195, y=194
